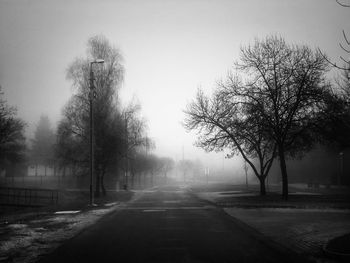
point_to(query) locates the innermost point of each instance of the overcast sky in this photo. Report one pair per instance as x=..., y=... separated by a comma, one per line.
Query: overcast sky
x=170, y=49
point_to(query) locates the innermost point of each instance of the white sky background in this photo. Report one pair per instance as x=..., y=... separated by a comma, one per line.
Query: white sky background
x=170, y=49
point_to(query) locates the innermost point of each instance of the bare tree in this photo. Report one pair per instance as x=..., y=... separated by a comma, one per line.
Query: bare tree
x=286, y=86
x=74, y=126
x=154, y=167
x=135, y=129
x=185, y=166
x=224, y=122
x=12, y=140
x=167, y=164
x=135, y=139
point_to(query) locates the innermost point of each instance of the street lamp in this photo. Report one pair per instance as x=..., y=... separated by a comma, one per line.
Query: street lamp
x=126, y=116
x=92, y=95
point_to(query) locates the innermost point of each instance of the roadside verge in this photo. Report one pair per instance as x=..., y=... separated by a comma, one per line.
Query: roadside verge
x=305, y=224
x=29, y=233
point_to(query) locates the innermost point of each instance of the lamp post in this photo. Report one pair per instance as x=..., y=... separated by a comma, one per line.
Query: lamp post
x=92, y=95
x=126, y=152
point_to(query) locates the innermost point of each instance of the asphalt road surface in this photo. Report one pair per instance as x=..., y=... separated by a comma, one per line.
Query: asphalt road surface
x=169, y=225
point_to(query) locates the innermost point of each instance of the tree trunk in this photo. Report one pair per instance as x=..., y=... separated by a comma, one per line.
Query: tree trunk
x=139, y=181
x=97, y=184
x=262, y=185
x=104, y=192
x=283, y=172
x=133, y=180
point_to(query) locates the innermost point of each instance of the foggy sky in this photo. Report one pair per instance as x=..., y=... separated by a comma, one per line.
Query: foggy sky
x=170, y=49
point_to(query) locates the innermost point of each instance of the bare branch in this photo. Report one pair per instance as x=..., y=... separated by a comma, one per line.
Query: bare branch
x=345, y=37
x=344, y=5
x=345, y=61
x=332, y=63
x=343, y=48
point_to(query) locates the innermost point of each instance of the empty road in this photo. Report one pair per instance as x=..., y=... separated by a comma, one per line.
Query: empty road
x=168, y=225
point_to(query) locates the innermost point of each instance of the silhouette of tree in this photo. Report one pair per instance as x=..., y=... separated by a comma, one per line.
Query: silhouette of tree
x=185, y=166
x=73, y=130
x=286, y=87
x=12, y=140
x=333, y=125
x=154, y=166
x=223, y=122
x=43, y=144
x=134, y=139
x=167, y=164
x=269, y=107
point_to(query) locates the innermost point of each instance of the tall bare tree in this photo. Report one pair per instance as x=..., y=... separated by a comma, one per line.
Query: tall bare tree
x=135, y=138
x=12, y=140
x=226, y=123
x=74, y=127
x=286, y=86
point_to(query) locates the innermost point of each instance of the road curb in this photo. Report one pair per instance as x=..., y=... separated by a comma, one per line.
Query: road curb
x=333, y=254
x=291, y=255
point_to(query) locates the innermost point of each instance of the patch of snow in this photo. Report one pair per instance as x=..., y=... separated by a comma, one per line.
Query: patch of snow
x=17, y=226
x=304, y=193
x=294, y=210
x=67, y=212
x=231, y=192
x=27, y=241
x=111, y=204
x=171, y=201
x=154, y=210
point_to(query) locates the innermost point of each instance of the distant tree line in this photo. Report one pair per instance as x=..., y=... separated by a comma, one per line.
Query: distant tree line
x=275, y=103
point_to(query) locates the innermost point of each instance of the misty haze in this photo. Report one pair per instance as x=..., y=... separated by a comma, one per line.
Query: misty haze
x=175, y=131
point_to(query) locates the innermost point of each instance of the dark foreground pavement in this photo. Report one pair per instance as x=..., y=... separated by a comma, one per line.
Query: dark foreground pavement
x=169, y=225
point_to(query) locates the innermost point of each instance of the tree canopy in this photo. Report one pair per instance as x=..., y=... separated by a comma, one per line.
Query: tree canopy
x=12, y=140
x=74, y=128
x=118, y=131
x=267, y=106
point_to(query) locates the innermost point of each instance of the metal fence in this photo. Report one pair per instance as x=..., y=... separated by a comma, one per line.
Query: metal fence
x=44, y=182
x=28, y=196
